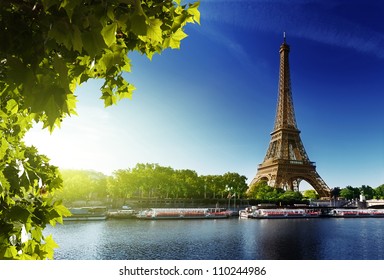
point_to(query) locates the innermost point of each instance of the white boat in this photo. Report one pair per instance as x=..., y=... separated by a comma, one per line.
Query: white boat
x=285, y=213
x=356, y=213
x=247, y=212
x=183, y=213
x=87, y=214
x=122, y=214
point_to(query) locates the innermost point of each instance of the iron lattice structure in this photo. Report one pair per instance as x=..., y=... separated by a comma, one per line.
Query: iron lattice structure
x=286, y=162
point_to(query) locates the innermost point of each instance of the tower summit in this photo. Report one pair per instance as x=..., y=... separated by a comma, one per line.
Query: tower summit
x=286, y=162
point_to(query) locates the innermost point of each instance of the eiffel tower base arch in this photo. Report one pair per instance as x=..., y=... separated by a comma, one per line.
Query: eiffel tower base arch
x=287, y=175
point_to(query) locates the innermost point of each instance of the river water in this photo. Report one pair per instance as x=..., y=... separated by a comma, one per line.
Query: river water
x=222, y=239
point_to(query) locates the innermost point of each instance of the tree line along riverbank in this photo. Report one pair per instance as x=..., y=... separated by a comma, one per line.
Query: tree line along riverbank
x=152, y=185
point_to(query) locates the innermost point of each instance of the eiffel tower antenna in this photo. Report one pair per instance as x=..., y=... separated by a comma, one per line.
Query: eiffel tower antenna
x=286, y=162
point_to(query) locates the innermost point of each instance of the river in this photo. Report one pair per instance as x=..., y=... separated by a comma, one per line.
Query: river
x=222, y=239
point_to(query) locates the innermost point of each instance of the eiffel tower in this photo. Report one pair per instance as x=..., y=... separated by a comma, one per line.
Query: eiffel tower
x=286, y=163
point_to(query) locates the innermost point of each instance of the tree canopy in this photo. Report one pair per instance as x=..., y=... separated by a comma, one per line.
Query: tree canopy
x=51, y=46
x=48, y=48
x=155, y=181
x=148, y=181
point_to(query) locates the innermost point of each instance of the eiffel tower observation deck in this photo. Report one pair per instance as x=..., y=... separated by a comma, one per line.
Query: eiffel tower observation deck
x=286, y=162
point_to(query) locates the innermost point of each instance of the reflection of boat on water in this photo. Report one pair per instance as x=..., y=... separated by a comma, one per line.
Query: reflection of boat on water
x=255, y=213
x=87, y=214
x=183, y=213
x=356, y=213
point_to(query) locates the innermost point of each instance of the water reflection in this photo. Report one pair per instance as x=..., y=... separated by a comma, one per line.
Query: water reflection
x=296, y=239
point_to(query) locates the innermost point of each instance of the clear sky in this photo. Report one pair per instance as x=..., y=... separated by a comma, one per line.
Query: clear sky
x=210, y=106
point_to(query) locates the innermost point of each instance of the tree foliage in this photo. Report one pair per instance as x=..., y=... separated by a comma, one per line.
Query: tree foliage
x=47, y=49
x=149, y=181
x=350, y=192
x=72, y=41
x=310, y=194
x=155, y=181
x=261, y=191
x=82, y=185
x=379, y=191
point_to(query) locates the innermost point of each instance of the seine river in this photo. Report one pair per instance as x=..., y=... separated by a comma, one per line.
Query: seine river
x=227, y=239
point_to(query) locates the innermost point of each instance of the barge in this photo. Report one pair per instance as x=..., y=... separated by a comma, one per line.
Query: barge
x=183, y=213
x=277, y=213
x=356, y=213
x=87, y=214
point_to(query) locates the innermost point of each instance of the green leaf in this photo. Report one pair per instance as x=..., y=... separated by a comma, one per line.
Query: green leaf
x=127, y=65
x=108, y=60
x=10, y=252
x=109, y=34
x=71, y=104
x=59, y=33
x=128, y=91
x=93, y=43
x=174, y=40
x=61, y=69
x=194, y=12
x=77, y=42
x=17, y=213
x=69, y=6
x=154, y=32
x=138, y=24
x=12, y=106
x=17, y=70
x=49, y=246
x=62, y=210
x=37, y=234
x=107, y=96
x=3, y=151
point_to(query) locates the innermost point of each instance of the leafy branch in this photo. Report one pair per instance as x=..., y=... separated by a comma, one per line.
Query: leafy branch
x=48, y=48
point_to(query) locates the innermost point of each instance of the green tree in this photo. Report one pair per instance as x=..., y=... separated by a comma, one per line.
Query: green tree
x=335, y=192
x=379, y=191
x=145, y=179
x=310, y=194
x=350, y=192
x=290, y=196
x=213, y=185
x=261, y=191
x=163, y=181
x=235, y=184
x=121, y=184
x=190, y=184
x=82, y=185
x=368, y=192
x=48, y=48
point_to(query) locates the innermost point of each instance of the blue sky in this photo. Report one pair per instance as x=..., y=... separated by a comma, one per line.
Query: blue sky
x=210, y=106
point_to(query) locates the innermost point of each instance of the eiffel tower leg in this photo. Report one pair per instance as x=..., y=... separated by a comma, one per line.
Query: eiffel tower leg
x=296, y=184
x=318, y=184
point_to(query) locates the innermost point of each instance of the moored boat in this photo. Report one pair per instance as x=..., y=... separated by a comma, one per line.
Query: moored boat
x=247, y=212
x=87, y=214
x=122, y=214
x=183, y=213
x=356, y=213
x=285, y=213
